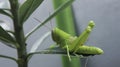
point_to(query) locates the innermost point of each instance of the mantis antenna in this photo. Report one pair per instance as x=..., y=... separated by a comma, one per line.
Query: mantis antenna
x=41, y=22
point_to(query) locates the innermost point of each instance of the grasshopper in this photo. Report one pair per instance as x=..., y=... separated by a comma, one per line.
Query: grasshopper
x=74, y=44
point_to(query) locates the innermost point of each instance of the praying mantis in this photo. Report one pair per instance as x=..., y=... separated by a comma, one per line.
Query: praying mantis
x=75, y=44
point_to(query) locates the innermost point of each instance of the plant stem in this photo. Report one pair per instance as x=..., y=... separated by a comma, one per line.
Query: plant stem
x=65, y=22
x=19, y=34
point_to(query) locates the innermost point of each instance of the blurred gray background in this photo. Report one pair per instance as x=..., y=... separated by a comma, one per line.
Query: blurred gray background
x=106, y=34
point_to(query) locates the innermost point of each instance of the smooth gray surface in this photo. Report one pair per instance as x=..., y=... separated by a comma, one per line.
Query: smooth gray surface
x=105, y=13
x=106, y=34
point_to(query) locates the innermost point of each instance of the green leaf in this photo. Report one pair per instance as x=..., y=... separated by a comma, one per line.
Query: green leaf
x=8, y=57
x=27, y=9
x=39, y=42
x=56, y=12
x=6, y=38
x=2, y=11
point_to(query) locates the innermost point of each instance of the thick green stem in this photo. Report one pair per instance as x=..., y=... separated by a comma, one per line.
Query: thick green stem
x=65, y=22
x=19, y=34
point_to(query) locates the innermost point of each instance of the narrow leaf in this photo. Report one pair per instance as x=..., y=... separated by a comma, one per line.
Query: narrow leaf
x=5, y=37
x=62, y=7
x=7, y=57
x=39, y=42
x=27, y=9
x=8, y=44
x=2, y=11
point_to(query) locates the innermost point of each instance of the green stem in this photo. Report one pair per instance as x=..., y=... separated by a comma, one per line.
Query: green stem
x=19, y=34
x=65, y=22
x=55, y=50
x=49, y=51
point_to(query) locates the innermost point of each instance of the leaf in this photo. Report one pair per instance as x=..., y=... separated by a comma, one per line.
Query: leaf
x=6, y=38
x=2, y=11
x=27, y=9
x=8, y=57
x=39, y=42
x=56, y=12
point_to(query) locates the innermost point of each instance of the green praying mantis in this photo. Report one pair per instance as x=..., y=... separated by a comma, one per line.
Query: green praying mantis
x=75, y=44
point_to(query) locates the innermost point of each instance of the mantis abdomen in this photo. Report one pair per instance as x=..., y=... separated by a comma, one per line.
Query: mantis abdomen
x=92, y=50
